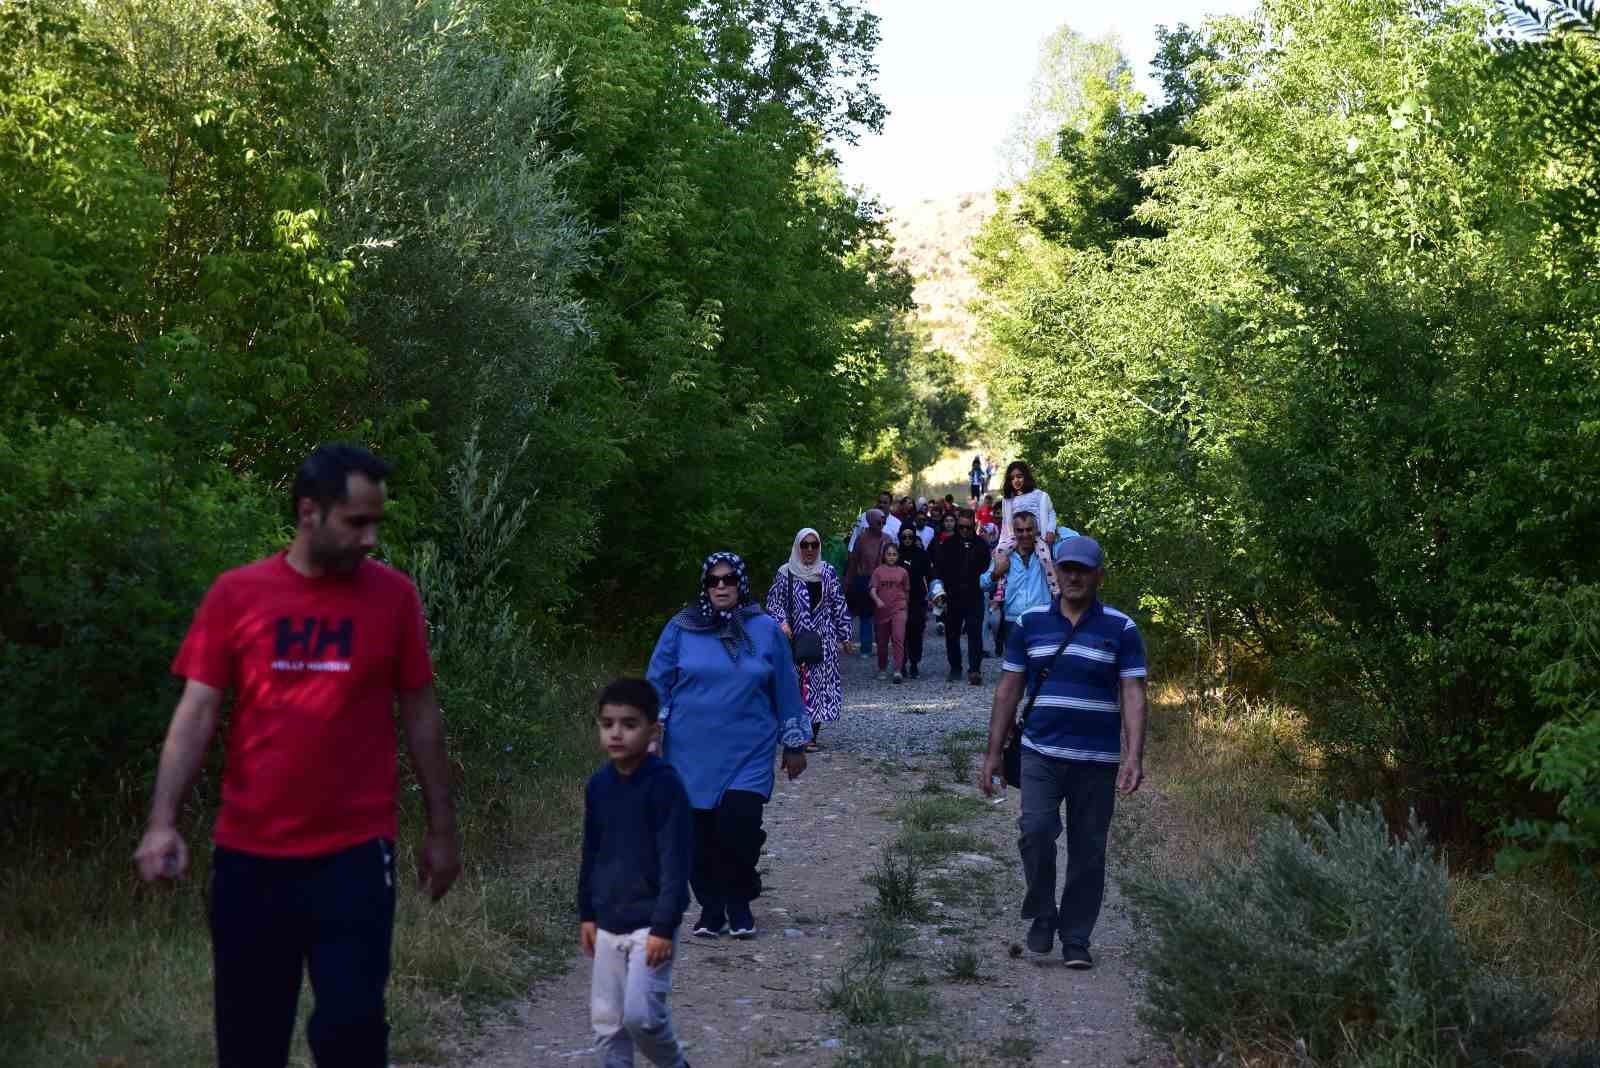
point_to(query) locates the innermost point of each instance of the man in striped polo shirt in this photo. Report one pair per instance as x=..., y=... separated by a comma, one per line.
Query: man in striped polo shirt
x=1083, y=741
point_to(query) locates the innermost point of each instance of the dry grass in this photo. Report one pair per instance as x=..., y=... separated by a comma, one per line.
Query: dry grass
x=1542, y=926
x=97, y=969
x=1220, y=768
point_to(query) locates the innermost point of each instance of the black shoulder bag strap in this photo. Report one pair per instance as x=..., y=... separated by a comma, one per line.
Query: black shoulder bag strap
x=1011, y=756
x=1044, y=674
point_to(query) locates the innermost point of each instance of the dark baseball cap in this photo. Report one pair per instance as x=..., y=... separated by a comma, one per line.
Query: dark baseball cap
x=1079, y=550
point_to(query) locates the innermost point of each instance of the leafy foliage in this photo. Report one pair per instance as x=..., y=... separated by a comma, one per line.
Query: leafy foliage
x=744, y=303
x=108, y=549
x=1334, y=359
x=583, y=270
x=1563, y=760
x=446, y=190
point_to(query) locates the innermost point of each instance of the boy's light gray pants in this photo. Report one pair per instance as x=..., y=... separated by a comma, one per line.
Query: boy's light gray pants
x=628, y=1003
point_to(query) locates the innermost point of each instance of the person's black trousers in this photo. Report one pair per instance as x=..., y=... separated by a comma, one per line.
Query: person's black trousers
x=1088, y=793
x=968, y=616
x=916, y=626
x=273, y=918
x=1002, y=630
x=727, y=847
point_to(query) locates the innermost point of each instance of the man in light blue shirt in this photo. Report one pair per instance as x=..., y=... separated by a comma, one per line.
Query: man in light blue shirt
x=1022, y=571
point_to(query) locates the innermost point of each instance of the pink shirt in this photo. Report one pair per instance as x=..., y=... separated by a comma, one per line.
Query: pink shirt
x=892, y=585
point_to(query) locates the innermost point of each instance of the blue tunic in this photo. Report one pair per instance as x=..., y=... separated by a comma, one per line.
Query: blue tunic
x=723, y=718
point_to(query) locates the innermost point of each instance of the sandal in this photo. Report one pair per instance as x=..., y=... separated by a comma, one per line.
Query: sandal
x=812, y=747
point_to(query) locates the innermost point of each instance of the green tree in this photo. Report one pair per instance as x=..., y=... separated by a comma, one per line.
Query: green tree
x=738, y=287
x=446, y=192
x=1333, y=362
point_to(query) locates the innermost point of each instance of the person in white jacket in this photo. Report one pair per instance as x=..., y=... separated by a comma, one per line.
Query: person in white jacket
x=1020, y=494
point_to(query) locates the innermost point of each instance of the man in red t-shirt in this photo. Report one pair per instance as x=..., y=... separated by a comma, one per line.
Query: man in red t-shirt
x=317, y=645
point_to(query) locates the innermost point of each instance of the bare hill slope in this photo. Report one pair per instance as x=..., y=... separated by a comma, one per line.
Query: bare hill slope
x=934, y=239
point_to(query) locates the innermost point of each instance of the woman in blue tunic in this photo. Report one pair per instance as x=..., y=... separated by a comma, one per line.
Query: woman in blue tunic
x=806, y=594
x=729, y=697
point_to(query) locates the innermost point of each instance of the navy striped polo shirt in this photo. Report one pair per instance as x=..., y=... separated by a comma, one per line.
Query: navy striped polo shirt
x=1078, y=715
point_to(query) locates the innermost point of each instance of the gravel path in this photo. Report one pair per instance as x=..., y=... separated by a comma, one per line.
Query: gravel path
x=740, y=1004
x=884, y=720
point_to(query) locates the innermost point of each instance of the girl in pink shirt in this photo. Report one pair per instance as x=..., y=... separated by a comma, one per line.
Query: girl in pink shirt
x=891, y=585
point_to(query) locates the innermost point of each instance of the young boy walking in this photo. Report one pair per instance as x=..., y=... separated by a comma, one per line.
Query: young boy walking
x=633, y=885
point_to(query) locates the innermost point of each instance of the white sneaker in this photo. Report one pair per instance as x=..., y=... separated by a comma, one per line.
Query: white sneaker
x=898, y=678
x=882, y=675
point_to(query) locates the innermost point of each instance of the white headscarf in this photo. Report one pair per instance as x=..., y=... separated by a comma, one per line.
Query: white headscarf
x=797, y=567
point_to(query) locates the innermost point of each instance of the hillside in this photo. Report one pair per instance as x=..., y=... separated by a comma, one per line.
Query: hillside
x=934, y=238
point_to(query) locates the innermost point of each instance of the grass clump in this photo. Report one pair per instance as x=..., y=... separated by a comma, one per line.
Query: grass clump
x=931, y=813
x=935, y=845
x=962, y=966
x=862, y=995
x=884, y=940
x=958, y=754
x=897, y=877
x=1338, y=942
x=895, y=1049
x=1016, y=1048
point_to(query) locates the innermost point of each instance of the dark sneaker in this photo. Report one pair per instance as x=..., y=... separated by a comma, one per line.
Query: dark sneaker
x=955, y=675
x=711, y=924
x=1076, y=957
x=913, y=672
x=1042, y=935
x=741, y=923
x=975, y=678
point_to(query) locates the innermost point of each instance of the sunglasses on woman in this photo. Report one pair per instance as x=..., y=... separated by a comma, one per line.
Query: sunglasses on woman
x=810, y=545
x=713, y=581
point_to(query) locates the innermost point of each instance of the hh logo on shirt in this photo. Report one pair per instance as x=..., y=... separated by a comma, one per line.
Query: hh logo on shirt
x=305, y=644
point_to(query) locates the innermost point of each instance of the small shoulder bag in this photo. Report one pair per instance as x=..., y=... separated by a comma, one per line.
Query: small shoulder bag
x=1012, y=756
x=807, y=644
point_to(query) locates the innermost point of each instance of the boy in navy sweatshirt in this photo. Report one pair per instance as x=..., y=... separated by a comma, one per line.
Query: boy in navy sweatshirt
x=633, y=884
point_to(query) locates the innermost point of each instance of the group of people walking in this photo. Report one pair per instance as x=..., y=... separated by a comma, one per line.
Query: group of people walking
x=320, y=644
x=913, y=563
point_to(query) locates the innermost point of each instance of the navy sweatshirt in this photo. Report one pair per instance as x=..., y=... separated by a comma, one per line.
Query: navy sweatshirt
x=637, y=838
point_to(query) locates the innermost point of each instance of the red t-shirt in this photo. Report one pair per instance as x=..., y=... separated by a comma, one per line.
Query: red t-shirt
x=314, y=665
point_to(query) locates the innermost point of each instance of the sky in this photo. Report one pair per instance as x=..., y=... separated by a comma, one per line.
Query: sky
x=954, y=73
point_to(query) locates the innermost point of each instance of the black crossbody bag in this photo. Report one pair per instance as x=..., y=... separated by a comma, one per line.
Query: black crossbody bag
x=1012, y=756
x=807, y=644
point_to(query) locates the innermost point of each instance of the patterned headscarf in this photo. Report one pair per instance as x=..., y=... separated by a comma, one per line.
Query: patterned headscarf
x=729, y=625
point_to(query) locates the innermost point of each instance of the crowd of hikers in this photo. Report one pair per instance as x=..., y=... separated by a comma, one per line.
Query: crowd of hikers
x=319, y=646
x=911, y=564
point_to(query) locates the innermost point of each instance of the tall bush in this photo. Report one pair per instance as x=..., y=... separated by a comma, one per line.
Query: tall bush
x=485, y=657
x=108, y=548
x=1336, y=943
x=447, y=189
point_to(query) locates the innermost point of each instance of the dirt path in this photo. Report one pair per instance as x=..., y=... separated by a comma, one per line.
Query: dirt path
x=761, y=1002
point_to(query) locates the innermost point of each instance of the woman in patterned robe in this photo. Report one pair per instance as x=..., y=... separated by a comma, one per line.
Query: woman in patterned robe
x=806, y=594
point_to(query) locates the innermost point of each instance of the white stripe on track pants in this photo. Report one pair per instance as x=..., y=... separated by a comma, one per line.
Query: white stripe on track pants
x=628, y=1003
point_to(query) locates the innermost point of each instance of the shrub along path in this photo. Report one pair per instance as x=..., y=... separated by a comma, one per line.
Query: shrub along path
x=951, y=982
